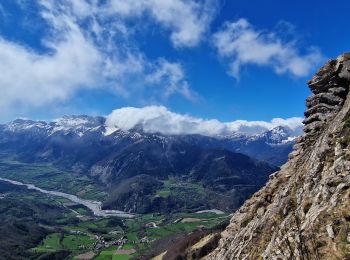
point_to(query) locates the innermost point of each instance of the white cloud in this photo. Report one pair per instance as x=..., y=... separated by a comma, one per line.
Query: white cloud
x=158, y=119
x=188, y=20
x=294, y=124
x=35, y=79
x=172, y=77
x=91, y=46
x=241, y=44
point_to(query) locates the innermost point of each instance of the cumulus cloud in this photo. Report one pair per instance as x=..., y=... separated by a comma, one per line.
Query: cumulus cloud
x=172, y=77
x=294, y=124
x=239, y=43
x=187, y=20
x=158, y=119
x=35, y=79
x=89, y=44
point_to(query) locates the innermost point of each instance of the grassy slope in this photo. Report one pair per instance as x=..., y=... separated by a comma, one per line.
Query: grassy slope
x=60, y=241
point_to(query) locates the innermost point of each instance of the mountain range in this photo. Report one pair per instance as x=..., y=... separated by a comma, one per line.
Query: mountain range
x=272, y=146
x=149, y=172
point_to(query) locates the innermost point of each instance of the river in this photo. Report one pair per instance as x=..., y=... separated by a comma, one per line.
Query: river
x=94, y=206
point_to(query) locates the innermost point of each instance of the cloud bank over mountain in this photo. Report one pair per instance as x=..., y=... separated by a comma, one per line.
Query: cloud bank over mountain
x=158, y=119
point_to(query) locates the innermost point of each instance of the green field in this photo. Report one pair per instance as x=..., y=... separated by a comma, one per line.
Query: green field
x=49, y=177
x=137, y=228
x=133, y=229
x=181, y=189
x=109, y=254
x=60, y=241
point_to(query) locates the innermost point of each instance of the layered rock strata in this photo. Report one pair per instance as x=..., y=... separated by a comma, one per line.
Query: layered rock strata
x=304, y=210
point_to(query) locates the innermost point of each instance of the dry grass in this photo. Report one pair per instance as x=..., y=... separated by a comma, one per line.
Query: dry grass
x=86, y=256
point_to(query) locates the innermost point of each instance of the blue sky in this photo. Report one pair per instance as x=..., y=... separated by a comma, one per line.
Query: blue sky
x=219, y=59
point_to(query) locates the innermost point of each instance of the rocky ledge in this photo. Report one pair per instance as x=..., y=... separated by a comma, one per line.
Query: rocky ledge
x=330, y=87
x=304, y=210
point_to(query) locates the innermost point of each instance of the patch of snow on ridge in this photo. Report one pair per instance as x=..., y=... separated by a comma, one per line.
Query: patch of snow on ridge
x=290, y=139
x=277, y=136
x=110, y=130
x=71, y=121
x=76, y=124
x=23, y=124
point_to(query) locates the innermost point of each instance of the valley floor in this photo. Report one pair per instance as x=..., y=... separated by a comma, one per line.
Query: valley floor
x=40, y=225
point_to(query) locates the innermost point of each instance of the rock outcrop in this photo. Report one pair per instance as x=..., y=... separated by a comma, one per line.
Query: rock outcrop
x=304, y=210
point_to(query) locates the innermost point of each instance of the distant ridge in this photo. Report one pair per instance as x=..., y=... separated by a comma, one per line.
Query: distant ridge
x=150, y=172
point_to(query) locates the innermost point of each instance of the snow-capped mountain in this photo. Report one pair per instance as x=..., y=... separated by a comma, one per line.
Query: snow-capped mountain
x=132, y=164
x=231, y=165
x=67, y=124
x=81, y=125
x=273, y=145
x=77, y=124
x=277, y=136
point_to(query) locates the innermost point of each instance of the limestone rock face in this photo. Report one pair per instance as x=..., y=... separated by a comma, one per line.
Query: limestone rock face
x=304, y=210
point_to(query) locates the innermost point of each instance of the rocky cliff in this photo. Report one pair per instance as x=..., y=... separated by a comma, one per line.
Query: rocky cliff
x=304, y=210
